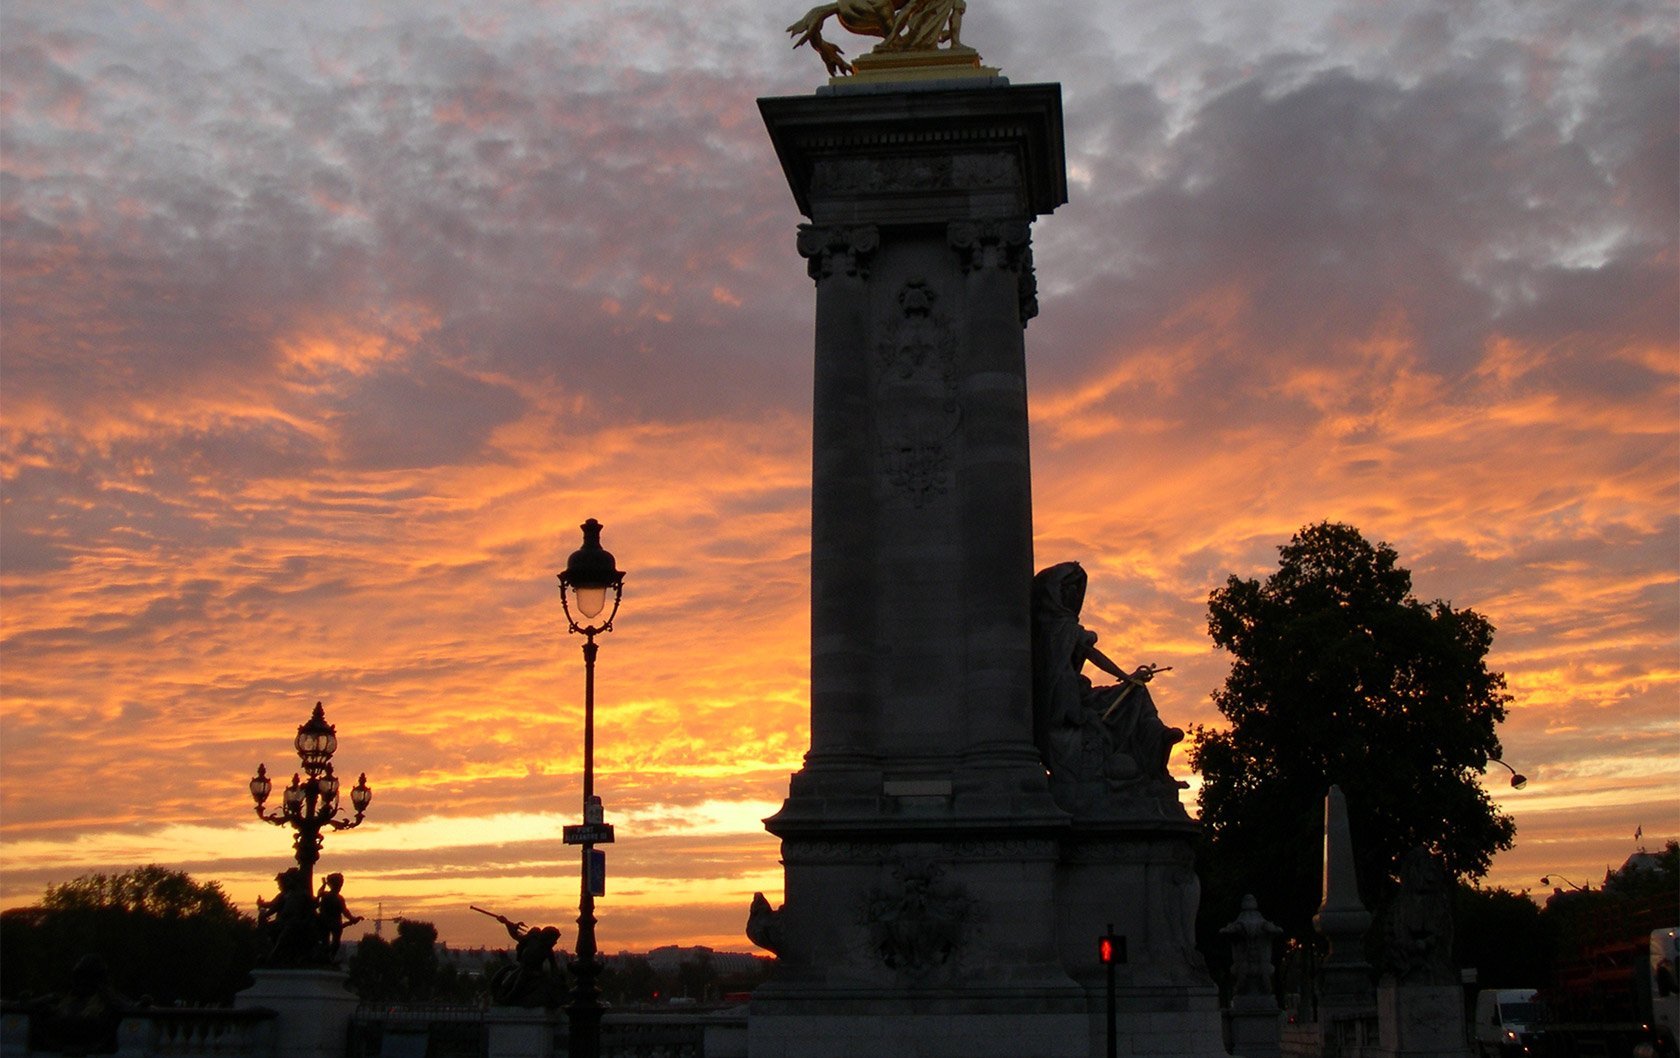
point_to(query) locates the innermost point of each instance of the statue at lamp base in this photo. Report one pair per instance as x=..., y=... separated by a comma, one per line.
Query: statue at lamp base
x=303, y=928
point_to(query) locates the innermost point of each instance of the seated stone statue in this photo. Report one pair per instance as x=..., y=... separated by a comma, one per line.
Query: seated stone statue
x=1104, y=746
x=1418, y=929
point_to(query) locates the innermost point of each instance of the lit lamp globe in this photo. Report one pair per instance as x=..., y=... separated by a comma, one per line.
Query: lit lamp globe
x=591, y=573
x=360, y=795
x=260, y=786
x=316, y=742
x=328, y=786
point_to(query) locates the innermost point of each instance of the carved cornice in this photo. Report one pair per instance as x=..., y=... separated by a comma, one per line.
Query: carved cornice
x=954, y=852
x=913, y=157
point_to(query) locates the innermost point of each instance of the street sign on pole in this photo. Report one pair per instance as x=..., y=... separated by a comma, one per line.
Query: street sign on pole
x=597, y=872
x=589, y=834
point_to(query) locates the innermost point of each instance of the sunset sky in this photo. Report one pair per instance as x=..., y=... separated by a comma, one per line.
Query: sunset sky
x=324, y=325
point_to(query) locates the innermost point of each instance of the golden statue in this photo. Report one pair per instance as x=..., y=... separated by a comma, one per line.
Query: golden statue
x=911, y=33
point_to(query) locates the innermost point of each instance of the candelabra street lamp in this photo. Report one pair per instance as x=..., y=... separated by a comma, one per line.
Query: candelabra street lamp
x=591, y=573
x=1518, y=779
x=1547, y=880
x=309, y=806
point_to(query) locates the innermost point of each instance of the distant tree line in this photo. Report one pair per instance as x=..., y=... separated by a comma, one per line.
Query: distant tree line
x=632, y=980
x=172, y=940
x=1512, y=942
x=162, y=935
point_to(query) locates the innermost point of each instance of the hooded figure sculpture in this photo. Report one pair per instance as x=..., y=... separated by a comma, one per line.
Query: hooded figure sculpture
x=1102, y=745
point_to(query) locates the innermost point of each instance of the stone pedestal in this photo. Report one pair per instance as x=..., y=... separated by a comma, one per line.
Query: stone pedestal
x=1256, y=1027
x=1138, y=875
x=518, y=1032
x=1421, y=1021
x=312, y=1009
x=14, y=1034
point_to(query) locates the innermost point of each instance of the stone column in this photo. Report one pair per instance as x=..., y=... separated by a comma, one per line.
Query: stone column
x=843, y=536
x=996, y=259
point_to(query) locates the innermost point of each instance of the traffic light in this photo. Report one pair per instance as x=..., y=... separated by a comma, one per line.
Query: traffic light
x=1111, y=949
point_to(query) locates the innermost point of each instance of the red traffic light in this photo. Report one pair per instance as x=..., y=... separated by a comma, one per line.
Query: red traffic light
x=1111, y=948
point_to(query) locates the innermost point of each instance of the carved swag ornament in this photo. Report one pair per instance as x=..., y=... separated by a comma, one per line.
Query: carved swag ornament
x=916, y=389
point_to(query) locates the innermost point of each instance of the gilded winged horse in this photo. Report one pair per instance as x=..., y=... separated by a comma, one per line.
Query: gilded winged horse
x=902, y=25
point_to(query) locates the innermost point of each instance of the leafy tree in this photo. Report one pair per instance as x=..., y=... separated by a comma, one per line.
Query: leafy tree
x=1339, y=675
x=407, y=969
x=630, y=980
x=697, y=977
x=1634, y=899
x=1503, y=936
x=162, y=934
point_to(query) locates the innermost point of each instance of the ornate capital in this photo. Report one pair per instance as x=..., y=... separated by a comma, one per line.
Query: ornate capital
x=1005, y=245
x=831, y=251
x=990, y=243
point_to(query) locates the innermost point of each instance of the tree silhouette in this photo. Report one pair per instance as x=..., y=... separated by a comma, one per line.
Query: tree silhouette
x=407, y=969
x=162, y=934
x=1339, y=675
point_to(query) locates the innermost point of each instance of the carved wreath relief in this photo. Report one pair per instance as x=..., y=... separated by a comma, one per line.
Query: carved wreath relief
x=916, y=390
x=918, y=923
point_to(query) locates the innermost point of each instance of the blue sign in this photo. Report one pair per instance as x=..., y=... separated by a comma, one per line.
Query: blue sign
x=597, y=873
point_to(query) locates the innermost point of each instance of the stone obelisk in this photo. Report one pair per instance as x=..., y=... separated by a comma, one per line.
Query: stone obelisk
x=939, y=901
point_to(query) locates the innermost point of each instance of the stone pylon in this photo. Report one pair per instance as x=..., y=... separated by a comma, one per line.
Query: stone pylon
x=938, y=901
x=1342, y=918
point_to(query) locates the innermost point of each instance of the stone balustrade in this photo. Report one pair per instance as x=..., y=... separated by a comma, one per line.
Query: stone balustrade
x=162, y=1032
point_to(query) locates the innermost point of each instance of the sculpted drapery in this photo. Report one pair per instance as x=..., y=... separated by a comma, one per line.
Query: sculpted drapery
x=1101, y=744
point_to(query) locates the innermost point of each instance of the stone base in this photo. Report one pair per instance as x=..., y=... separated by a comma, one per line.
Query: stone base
x=1026, y=1023
x=1420, y=1021
x=1138, y=876
x=313, y=1009
x=1255, y=1031
x=970, y=1026
x=517, y=1032
x=1157, y=1023
x=932, y=64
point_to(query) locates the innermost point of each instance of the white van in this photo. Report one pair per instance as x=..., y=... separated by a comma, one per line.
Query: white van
x=1506, y=1020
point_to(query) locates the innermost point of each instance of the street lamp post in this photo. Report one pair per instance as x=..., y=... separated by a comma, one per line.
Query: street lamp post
x=1518, y=779
x=591, y=573
x=310, y=805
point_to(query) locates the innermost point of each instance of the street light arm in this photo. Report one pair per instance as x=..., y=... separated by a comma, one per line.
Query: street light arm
x=1518, y=779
